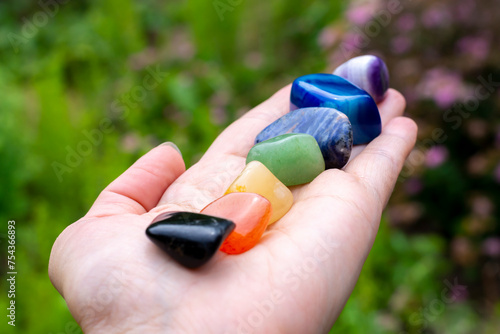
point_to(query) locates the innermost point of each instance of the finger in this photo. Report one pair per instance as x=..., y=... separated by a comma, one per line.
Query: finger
x=345, y=206
x=380, y=163
x=334, y=219
x=391, y=107
x=140, y=187
x=239, y=137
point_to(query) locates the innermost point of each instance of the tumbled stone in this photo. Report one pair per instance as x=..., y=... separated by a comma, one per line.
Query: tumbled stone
x=331, y=129
x=368, y=73
x=332, y=91
x=191, y=239
x=250, y=212
x=294, y=158
x=256, y=178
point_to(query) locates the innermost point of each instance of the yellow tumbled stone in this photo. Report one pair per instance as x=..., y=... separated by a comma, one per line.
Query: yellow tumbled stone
x=256, y=178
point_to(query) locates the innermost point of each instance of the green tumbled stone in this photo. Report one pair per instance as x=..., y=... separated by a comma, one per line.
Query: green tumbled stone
x=294, y=158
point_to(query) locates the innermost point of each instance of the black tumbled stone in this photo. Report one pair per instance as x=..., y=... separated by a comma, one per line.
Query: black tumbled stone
x=189, y=238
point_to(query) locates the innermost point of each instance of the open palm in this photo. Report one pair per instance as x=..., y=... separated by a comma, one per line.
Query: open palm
x=296, y=280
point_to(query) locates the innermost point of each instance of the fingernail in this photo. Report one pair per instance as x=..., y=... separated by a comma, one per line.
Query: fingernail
x=169, y=143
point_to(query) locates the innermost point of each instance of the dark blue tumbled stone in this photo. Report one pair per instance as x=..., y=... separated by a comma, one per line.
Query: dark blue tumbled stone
x=191, y=239
x=331, y=129
x=331, y=91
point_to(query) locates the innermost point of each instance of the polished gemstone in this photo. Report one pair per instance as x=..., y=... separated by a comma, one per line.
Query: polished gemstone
x=368, y=73
x=331, y=129
x=250, y=212
x=331, y=91
x=256, y=178
x=191, y=239
x=294, y=158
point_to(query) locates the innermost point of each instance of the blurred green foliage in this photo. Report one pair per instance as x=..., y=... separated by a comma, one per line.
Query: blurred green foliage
x=74, y=72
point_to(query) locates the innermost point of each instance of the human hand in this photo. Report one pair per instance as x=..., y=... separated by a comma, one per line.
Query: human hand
x=296, y=280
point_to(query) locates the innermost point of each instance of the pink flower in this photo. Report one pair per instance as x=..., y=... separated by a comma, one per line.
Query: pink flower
x=445, y=96
x=401, y=44
x=354, y=40
x=459, y=294
x=436, y=156
x=443, y=86
x=413, y=186
x=491, y=247
x=328, y=37
x=405, y=213
x=482, y=206
x=477, y=128
x=477, y=164
x=130, y=142
x=360, y=15
x=218, y=103
x=463, y=252
x=477, y=47
x=406, y=22
x=464, y=8
x=435, y=17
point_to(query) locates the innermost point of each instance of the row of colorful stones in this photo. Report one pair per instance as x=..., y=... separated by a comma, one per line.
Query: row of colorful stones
x=328, y=114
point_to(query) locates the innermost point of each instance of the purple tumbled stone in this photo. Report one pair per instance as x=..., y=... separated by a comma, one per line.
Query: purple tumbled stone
x=368, y=73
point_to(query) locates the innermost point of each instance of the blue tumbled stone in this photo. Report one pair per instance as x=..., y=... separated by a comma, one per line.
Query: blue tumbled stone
x=331, y=129
x=331, y=91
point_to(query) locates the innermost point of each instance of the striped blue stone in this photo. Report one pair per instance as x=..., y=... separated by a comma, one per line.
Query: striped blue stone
x=331, y=129
x=331, y=91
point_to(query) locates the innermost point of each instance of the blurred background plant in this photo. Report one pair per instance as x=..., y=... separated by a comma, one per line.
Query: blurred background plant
x=87, y=87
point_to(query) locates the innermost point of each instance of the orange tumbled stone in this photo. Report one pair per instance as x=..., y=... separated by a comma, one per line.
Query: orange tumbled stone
x=250, y=212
